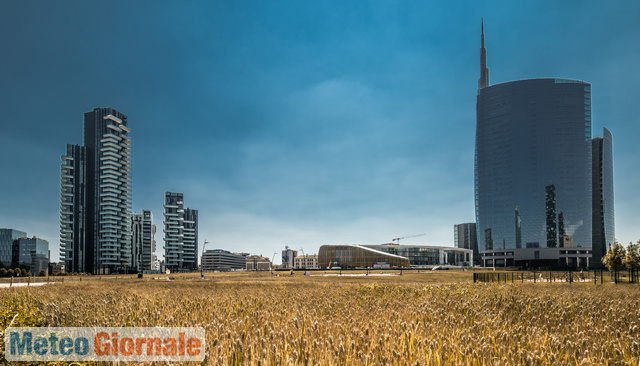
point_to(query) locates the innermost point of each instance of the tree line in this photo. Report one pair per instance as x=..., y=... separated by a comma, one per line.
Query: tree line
x=619, y=258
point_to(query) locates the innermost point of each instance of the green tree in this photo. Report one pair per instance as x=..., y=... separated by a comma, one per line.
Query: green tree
x=632, y=258
x=614, y=259
x=42, y=273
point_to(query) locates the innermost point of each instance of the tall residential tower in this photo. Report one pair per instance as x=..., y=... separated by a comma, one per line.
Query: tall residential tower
x=143, y=244
x=95, y=196
x=180, y=234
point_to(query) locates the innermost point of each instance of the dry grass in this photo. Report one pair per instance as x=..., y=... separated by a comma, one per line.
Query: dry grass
x=417, y=318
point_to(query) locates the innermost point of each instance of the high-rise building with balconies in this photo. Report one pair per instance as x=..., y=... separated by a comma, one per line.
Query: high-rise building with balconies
x=143, y=245
x=180, y=234
x=95, y=196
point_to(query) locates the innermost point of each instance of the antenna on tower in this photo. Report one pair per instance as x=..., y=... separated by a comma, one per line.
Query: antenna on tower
x=483, y=82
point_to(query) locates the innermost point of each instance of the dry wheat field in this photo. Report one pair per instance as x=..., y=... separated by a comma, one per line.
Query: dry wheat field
x=415, y=319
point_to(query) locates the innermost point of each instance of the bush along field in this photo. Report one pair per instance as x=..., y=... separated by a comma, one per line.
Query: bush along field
x=303, y=321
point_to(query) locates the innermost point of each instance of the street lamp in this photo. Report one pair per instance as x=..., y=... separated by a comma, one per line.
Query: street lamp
x=201, y=259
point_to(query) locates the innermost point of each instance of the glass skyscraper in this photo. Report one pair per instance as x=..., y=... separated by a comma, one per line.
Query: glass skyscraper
x=533, y=162
x=7, y=236
x=603, y=207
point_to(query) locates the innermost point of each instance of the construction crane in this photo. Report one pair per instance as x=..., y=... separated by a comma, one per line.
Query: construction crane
x=397, y=240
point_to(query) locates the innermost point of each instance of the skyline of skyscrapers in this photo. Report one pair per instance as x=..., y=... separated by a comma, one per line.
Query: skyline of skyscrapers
x=534, y=155
x=526, y=128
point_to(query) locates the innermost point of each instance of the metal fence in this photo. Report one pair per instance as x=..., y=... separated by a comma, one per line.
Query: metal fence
x=568, y=276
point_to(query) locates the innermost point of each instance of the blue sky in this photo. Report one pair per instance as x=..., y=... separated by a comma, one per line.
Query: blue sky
x=293, y=122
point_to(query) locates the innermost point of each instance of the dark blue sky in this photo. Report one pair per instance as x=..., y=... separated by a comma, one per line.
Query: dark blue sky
x=293, y=122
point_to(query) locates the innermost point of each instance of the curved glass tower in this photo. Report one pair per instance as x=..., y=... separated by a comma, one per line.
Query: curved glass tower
x=533, y=167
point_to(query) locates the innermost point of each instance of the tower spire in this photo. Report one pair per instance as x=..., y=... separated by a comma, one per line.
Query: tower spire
x=483, y=82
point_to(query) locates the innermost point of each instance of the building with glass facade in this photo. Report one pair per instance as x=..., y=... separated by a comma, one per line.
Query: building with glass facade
x=556, y=257
x=427, y=255
x=357, y=256
x=95, y=196
x=533, y=163
x=602, y=190
x=7, y=236
x=23, y=248
x=465, y=237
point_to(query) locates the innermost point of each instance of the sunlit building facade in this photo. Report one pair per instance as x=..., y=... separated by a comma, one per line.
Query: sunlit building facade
x=307, y=261
x=357, y=256
x=428, y=255
x=258, y=263
x=222, y=260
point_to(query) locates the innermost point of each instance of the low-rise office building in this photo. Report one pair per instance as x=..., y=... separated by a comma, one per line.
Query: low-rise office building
x=22, y=248
x=39, y=262
x=533, y=257
x=222, y=260
x=7, y=236
x=426, y=256
x=357, y=256
x=55, y=268
x=258, y=263
x=306, y=262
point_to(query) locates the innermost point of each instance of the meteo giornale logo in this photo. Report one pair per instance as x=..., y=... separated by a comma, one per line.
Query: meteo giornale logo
x=105, y=344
